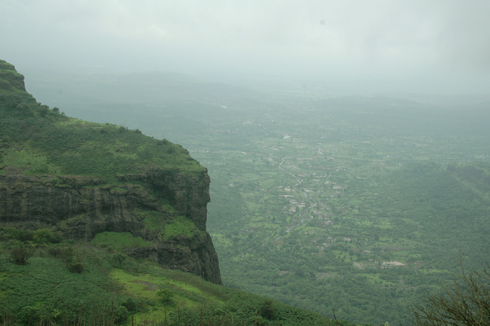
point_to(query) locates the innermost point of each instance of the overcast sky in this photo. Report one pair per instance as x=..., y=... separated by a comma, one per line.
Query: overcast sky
x=438, y=41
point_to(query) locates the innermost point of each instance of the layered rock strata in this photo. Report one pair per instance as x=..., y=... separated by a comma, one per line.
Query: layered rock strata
x=82, y=207
x=161, y=197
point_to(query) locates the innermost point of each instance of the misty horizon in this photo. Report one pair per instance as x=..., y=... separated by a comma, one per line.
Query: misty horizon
x=336, y=153
x=377, y=46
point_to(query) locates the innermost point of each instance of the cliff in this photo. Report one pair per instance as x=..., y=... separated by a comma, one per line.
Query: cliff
x=95, y=181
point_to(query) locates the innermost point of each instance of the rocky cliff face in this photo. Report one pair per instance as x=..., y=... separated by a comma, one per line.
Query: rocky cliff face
x=82, y=207
x=161, y=198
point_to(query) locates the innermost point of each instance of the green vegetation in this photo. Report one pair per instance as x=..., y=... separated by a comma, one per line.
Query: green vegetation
x=66, y=282
x=153, y=221
x=119, y=240
x=171, y=227
x=310, y=194
x=46, y=280
x=316, y=199
x=166, y=295
x=180, y=225
x=464, y=301
x=39, y=140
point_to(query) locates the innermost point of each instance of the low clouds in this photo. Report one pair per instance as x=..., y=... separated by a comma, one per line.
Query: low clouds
x=465, y=39
x=367, y=38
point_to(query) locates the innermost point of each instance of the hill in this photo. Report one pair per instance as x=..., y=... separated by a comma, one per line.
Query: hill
x=296, y=177
x=101, y=182
x=100, y=225
x=45, y=280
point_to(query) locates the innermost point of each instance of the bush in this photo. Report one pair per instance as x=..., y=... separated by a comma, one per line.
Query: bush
x=65, y=253
x=465, y=301
x=29, y=315
x=166, y=295
x=267, y=310
x=45, y=236
x=75, y=267
x=20, y=255
x=39, y=237
x=117, y=260
x=121, y=314
x=131, y=305
x=16, y=234
x=12, y=244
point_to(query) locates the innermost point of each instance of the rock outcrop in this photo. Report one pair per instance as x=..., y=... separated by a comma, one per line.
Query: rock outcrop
x=82, y=207
x=162, y=200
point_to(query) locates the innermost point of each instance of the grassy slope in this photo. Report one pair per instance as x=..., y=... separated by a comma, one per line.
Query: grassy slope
x=249, y=212
x=67, y=281
x=110, y=281
x=37, y=140
x=40, y=140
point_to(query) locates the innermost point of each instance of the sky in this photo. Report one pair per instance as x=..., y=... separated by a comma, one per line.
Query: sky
x=413, y=42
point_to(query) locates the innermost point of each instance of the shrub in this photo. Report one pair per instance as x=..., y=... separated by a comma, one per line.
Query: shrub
x=267, y=310
x=166, y=295
x=131, y=305
x=117, y=260
x=29, y=315
x=54, y=251
x=65, y=253
x=121, y=314
x=20, y=255
x=465, y=301
x=75, y=267
x=12, y=244
x=45, y=236
x=43, y=110
x=16, y=234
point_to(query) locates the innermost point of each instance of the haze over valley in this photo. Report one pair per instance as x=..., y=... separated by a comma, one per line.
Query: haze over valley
x=347, y=143
x=357, y=203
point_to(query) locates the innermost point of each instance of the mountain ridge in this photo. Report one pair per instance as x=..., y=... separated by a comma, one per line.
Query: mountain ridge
x=83, y=179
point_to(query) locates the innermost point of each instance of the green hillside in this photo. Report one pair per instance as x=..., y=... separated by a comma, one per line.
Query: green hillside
x=312, y=200
x=45, y=279
x=41, y=140
x=296, y=175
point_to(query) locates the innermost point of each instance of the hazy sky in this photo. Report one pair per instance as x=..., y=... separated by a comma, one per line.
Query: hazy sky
x=446, y=41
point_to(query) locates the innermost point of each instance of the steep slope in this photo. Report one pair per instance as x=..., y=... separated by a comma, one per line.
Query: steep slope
x=79, y=284
x=101, y=181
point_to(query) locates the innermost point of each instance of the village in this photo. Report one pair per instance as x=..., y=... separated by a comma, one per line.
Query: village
x=310, y=190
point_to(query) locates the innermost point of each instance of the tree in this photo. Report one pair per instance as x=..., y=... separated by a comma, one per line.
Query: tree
x=20, y=255
x=267, y=310
x=464, y=301
x=166, y=295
